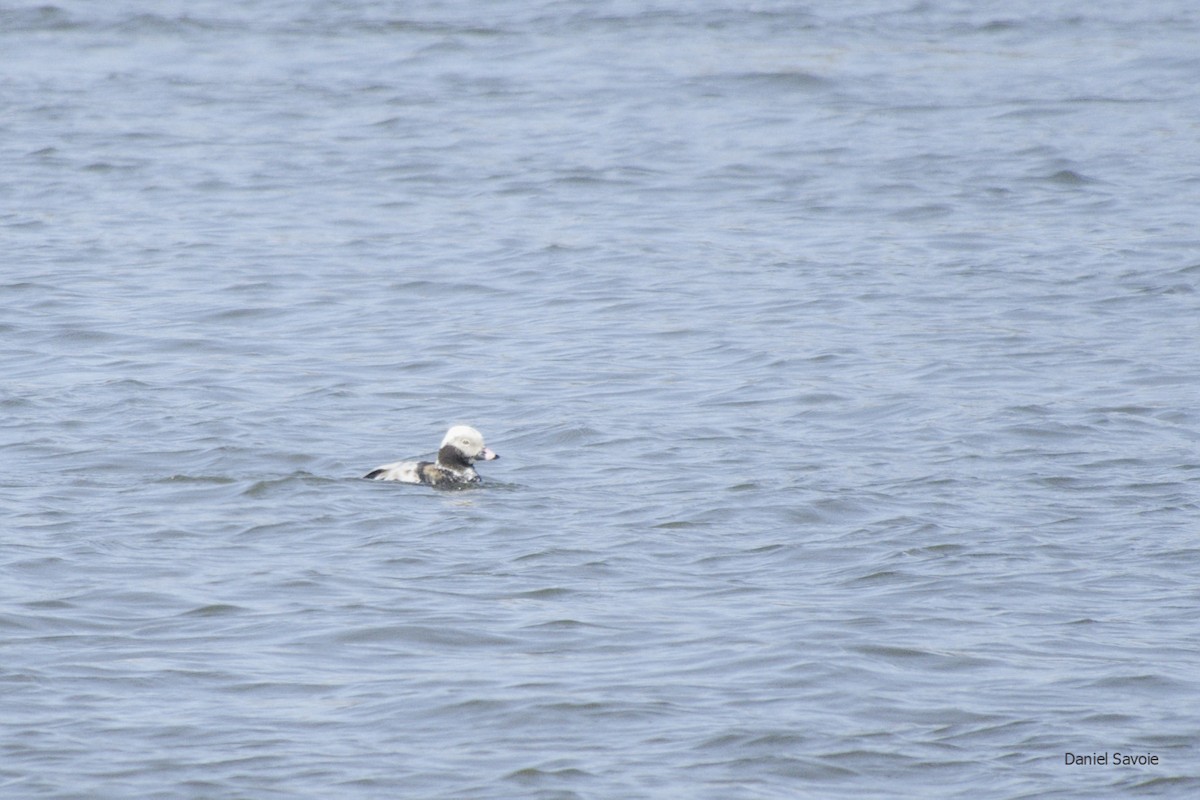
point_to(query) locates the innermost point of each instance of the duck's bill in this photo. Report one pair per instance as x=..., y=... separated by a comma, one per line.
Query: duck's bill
x=486, y=455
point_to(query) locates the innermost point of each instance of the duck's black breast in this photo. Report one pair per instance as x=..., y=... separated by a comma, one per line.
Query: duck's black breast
x=438, y=475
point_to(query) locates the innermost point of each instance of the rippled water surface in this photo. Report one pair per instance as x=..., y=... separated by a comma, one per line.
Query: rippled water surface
x=842, y=360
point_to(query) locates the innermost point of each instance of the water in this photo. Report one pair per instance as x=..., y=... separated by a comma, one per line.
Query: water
x=841, y=359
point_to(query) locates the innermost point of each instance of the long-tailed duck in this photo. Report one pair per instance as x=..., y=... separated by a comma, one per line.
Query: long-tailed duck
x=461, y=447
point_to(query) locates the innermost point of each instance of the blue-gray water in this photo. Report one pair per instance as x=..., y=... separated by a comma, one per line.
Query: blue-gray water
x=842, y=359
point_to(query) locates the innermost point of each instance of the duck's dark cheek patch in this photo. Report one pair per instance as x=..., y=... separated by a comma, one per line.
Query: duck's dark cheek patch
x=450, y=456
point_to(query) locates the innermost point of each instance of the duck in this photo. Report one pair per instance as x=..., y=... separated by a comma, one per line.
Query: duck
x=461, y=447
